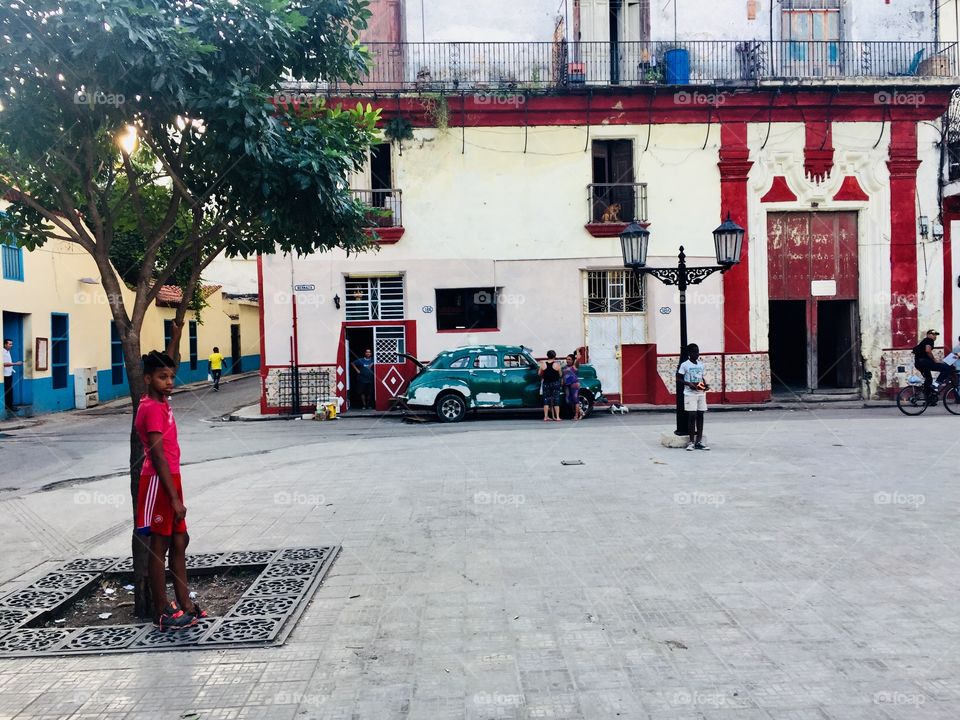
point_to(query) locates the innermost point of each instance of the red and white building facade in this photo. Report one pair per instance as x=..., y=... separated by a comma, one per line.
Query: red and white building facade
x=497, y=221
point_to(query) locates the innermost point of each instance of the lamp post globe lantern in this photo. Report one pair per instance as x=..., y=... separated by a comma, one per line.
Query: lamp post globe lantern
x=634, y=241
x=728, y=239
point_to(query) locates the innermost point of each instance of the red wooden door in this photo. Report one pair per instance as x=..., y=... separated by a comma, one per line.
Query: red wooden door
x=638, y=363
x=807, y=247
x=812, y=257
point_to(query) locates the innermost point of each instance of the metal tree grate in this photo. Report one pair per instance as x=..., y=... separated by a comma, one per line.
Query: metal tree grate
x=155, y=638
x=292, y=569
x=33, y=599
x=278, y=586
x=89, y=564
x=103, y=638
x=264, y=615
x=249, y=557
x=64, y=580
x=32, y=641
x=11, y=618
x=243, y=630
x=254, y=606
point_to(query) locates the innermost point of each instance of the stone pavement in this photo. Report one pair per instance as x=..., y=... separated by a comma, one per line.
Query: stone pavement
x=803, y=569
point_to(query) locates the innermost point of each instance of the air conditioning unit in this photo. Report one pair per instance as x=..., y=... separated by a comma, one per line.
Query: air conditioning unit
x=85, y=390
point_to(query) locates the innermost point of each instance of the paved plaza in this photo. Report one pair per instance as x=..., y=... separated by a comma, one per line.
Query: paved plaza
x=805, y=568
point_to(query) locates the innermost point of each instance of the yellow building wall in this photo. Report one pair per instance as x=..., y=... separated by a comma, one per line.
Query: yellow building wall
x=53, y=283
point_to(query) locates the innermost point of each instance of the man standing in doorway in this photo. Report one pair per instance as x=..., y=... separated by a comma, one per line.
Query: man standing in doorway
x=8, y=365
x=364, y=368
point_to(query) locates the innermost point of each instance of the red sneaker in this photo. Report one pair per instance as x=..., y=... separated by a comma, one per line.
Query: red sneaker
x=173, y=618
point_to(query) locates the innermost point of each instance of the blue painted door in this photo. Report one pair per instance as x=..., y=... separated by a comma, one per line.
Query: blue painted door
x=13, y=329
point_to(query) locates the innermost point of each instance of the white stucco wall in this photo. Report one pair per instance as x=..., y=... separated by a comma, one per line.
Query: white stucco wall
x=494, y=216
x=534, y=20
x=237, y=276
x=877, y=21
x=487, y=21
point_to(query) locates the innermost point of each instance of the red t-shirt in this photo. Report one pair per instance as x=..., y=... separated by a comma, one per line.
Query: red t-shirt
x=156, y=416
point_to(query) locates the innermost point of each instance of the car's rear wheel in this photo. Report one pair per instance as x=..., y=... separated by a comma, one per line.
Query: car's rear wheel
x=586, y=403
x=451, y=408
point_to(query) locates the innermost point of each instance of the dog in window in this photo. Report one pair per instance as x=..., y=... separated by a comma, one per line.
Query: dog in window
x=612, y=213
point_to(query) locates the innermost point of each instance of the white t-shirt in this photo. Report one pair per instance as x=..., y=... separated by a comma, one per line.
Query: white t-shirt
x=7, y=358
x=692, y=373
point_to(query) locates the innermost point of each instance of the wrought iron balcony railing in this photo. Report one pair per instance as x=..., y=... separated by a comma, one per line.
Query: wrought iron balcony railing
x=616, y=202
x=384, y=207
x=492, y=67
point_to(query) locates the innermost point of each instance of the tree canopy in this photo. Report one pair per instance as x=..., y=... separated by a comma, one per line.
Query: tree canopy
x=216, y=166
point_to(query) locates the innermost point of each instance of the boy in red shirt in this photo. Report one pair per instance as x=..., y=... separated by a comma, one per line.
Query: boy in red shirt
x=160, y=510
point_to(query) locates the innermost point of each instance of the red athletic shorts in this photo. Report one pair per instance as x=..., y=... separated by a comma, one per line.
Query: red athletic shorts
x=154, y=511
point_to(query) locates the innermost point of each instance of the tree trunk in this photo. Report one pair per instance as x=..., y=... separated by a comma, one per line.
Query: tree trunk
x=139, y=544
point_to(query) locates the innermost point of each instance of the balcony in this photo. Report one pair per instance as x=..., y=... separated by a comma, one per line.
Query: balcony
x=546, y=66
x=384, y=213
x=612, y=206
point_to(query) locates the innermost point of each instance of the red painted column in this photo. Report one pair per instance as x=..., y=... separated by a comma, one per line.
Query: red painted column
x=950, y=212
x=903, y=163
x=734, y=166
x=950, y=337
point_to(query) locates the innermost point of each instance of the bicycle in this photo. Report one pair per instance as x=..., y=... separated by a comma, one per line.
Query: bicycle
x=912, y=400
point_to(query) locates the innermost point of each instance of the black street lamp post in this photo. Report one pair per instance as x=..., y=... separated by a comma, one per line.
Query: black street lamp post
x=634, y=241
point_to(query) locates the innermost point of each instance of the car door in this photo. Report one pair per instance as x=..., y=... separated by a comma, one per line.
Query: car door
x=516, y=381
x=485, y=379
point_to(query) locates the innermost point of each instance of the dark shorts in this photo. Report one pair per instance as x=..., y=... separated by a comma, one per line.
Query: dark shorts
x=551, y=393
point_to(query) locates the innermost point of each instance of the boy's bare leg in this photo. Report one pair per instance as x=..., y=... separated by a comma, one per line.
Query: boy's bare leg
x=178, y=568
x=157, y=571
x=699, y=426
x=692, y=426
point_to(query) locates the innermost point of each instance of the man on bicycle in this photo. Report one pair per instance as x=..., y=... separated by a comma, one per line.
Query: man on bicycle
x=925, y=362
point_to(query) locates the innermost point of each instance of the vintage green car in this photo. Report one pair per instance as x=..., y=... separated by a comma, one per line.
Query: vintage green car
x=486, y=376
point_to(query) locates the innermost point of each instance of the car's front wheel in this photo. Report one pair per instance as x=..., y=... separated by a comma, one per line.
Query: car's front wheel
x=586, y=403
x=451, y=408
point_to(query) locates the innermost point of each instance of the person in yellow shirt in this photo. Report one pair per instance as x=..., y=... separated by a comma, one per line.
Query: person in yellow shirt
x=216, y=367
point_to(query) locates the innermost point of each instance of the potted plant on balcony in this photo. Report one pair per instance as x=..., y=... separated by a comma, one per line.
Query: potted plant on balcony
x=380, y=217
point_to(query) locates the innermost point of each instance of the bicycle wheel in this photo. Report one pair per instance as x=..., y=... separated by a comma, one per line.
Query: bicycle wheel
x=911, y=400
x=951, y=401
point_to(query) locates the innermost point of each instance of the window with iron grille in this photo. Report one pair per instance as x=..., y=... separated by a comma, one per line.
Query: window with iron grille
x=374, y=298
x=810, y=4
x=614, y=291
x=953, y=138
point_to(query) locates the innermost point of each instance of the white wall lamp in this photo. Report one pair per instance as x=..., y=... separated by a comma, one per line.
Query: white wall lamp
x=89, y=281
x=937, y=231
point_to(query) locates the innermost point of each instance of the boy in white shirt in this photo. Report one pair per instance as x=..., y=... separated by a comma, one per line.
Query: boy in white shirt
x=694, y=395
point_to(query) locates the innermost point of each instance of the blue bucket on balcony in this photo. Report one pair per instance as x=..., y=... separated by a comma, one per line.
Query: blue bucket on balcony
x=676, y=66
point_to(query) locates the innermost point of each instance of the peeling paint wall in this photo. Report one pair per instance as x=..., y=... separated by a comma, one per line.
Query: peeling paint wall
x=496, y=217
x=487, y=21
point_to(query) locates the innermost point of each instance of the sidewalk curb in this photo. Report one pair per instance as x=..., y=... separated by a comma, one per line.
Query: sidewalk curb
x=116, y=403
x=601, y=409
